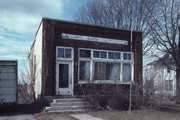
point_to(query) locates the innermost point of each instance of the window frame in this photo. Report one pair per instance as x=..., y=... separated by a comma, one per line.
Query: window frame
x=92, y=60
x=66, y=59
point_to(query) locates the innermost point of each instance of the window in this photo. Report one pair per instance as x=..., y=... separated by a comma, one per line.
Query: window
x=84, y=71
x=169, y=85
x=67, y=53
x=117, y=56
x=106, y=66
x=126, y=72
x=85, y=53
x=127, y=56
x=168, y=70
x=111, y=55
x=106, y=71
x=99, y=54
x=96, y=54
x=103, y=54
x=61, y=52
x=64, y=53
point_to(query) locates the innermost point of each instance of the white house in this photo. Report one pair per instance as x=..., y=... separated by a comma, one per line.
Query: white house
x=164, y=73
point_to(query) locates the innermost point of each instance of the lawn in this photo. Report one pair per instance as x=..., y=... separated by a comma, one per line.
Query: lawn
x=117, y=115
x=137, y=115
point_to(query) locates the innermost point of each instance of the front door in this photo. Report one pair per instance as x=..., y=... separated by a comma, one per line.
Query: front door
x=64, y=78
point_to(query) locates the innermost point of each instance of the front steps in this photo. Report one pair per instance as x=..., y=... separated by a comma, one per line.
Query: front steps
x=68, y=105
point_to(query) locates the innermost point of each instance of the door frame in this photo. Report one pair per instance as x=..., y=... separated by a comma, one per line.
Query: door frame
x=71, y=78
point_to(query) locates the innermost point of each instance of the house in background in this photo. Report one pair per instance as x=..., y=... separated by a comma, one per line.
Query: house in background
x=72, y=55
x=164, y=74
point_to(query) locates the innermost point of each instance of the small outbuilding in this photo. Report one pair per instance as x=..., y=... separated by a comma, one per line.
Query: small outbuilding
x=8, y=81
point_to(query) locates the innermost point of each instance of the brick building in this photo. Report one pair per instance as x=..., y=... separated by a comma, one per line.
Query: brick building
x=71, y=55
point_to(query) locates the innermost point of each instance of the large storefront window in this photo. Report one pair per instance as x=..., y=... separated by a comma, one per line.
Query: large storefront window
x=84, y=71
x=105, y=66
x=106, y=71
x=126, y=72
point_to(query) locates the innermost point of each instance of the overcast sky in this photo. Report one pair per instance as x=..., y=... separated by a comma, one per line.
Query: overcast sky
x=20, y=19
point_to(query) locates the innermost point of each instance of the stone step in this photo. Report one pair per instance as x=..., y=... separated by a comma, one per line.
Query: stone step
x=68, y=100
x=67, y=107
x=69, y=103
x=66, y=111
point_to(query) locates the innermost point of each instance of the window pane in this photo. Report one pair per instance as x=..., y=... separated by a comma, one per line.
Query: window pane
x=96, y=54
x=63, y=75
x=106, y=71
x=103, y=54
x=111, y=55
x=127, y=56
x=61, y=52
x=169, y=85
x=68, y=53
x=85, y=53
x=84, y=72
x=126, y=72
x=117, y=56
x=113, y=71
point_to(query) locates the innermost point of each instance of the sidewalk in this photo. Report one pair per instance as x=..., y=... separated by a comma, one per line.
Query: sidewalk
x=85, y=117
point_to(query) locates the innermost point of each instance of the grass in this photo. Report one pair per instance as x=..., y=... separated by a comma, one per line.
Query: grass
x=136, y=115
x=117, y=115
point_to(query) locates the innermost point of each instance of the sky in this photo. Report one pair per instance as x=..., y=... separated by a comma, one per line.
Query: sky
x=20, y=19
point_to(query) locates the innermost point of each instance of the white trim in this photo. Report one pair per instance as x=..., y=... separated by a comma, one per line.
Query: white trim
x=94, y=39
x=61, y=61
x=92, y=60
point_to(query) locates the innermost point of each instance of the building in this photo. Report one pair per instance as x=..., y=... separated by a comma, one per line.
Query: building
x=69, y=56
x=8, y=82
x=164, y=75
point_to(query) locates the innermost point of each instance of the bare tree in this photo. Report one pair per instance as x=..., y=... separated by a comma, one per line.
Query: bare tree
x=164, y=33
x=122, y=14
x=32, y=74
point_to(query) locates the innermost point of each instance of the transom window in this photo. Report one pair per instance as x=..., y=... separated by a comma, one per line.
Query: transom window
x=85, y=53
x=127, y=56
x=65, y=53
x=104, y=65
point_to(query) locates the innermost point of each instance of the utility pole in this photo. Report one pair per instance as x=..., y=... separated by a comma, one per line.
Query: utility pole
x=130, y=86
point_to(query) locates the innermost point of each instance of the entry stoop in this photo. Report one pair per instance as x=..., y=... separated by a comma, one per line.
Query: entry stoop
x=68, y=105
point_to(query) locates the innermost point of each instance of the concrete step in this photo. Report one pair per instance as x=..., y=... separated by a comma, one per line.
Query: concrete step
x=66, y=111
x=68, y=100
x=69, y=103
x=67, y=107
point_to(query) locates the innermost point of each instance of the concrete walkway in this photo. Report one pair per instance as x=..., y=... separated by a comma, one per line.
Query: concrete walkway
x=17, y=117
x=85, y=117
